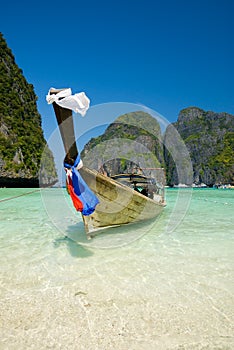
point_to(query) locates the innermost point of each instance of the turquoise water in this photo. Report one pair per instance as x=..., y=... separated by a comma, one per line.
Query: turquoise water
x=168, y=285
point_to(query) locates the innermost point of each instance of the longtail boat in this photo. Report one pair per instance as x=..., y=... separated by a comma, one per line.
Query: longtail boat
x=118, y=200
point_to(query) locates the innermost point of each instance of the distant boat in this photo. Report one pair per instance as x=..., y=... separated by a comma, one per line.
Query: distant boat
x=225, y=186
x=201, y=185
x=121, y=199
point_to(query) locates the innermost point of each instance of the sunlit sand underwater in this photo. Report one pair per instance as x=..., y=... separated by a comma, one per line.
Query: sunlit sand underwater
x=136, y=287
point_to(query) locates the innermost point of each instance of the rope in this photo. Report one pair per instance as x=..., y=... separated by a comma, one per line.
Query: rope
x=20, y=195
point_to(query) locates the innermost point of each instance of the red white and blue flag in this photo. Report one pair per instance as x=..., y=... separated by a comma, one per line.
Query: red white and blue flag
x=84, y=200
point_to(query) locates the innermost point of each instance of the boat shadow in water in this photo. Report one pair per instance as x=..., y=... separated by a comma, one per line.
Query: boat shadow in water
x=75, y=240
x=109, y=238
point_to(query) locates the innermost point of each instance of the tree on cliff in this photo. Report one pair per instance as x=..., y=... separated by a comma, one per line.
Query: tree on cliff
x=22, y=143
x=209, y=138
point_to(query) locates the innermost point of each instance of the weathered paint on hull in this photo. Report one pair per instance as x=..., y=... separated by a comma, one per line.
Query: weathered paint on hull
x=118, y=205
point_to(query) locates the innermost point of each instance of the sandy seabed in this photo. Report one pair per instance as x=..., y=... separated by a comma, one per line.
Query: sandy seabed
x=117, y=316
x=161, y=292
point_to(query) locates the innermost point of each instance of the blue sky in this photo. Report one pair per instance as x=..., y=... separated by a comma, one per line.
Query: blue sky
x=167, y=55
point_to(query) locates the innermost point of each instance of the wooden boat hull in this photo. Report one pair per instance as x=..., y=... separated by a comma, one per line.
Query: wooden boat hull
x=119, y=204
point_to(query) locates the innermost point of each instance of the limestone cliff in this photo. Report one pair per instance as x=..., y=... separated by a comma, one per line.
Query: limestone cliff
x=209, y=138
x=133, y=140
x=22, y=144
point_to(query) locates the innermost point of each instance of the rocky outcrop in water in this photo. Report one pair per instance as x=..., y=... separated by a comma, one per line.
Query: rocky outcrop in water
x=209, y=138
x=22, y=144
x=133, y=140
x=198, y=148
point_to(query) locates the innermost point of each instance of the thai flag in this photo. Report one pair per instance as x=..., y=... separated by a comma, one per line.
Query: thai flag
x=84, y=200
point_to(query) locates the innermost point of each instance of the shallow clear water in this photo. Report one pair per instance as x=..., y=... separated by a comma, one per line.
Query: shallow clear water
x=168, y=285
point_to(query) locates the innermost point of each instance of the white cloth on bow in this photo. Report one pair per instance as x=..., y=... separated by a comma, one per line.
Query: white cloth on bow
x=79, y=103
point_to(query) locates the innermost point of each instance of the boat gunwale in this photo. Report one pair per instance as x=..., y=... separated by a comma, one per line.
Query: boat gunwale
x=122, y=186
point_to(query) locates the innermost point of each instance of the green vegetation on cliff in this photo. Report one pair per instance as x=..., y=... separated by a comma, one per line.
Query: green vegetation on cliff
x=134, y=139
x=198, y=148
x=223, y=161
x=21, y=138
x=209, y=138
